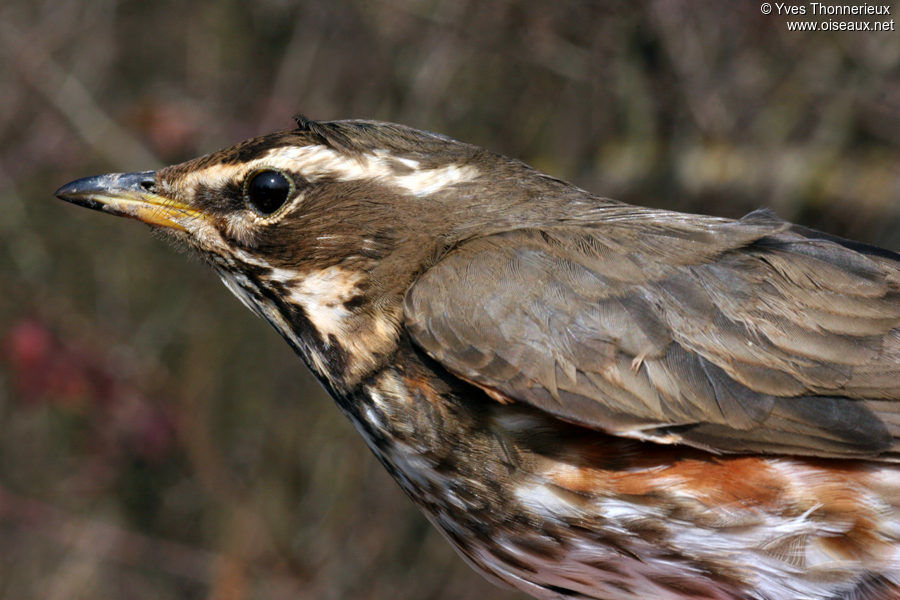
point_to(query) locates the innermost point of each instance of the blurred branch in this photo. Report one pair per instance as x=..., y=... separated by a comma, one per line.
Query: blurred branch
x=294, y=69
x=106, y=542
x=69, y=97
x=26, y=249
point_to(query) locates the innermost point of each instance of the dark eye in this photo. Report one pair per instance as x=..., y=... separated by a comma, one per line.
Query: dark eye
x=267, y=191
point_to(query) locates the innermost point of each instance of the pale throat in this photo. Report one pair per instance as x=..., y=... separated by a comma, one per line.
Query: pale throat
x=347, y=343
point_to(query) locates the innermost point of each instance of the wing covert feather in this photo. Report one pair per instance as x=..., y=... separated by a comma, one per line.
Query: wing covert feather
x=735, y=336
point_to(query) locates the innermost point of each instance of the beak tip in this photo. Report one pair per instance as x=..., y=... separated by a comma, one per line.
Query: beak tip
x=65, y=191
x=76, y=190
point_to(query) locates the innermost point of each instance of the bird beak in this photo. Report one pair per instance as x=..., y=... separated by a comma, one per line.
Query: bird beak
x=129, y=195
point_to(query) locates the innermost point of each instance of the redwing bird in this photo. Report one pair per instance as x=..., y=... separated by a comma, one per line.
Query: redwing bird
x=589, y=399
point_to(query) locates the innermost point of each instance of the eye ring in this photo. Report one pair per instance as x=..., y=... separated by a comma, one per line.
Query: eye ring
x=266, y=191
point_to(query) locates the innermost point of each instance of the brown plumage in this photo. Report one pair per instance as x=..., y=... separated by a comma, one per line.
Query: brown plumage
x=589, y=398
x=731, y=336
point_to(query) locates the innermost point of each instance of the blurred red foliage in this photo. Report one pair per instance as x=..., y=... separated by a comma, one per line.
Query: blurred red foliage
x=45, y=370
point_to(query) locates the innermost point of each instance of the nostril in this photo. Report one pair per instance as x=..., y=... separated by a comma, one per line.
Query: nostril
x=148, y=185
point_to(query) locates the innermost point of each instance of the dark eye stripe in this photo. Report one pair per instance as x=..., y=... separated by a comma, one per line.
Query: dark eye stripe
x=267, y=191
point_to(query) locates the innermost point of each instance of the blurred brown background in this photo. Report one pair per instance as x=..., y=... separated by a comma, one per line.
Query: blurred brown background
x=158, y=441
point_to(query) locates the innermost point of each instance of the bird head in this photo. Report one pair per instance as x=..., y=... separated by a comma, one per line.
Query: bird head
x=320, y=230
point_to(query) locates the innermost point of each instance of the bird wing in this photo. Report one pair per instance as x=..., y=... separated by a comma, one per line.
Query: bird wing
x=734, y=336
